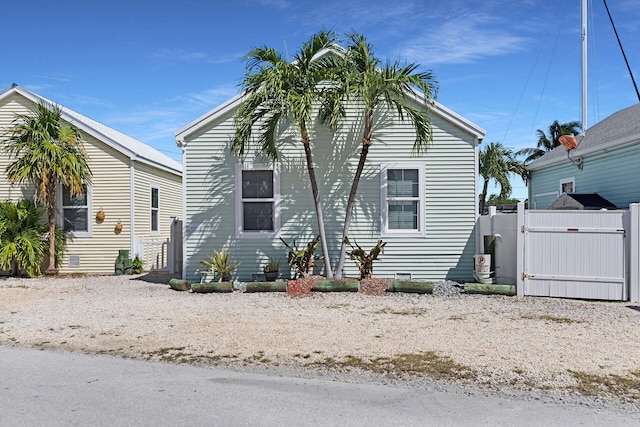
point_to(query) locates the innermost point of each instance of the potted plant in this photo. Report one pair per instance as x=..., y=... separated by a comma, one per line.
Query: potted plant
x=271, y=269
x=220, y=264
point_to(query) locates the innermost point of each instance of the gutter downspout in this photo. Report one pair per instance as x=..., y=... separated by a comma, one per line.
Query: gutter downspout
x=183, y=145
x=475, y=189
x=132, y=210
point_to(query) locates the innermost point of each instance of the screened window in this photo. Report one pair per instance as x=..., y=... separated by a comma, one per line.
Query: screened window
x=155, y=209
x=403, y=199
x=258, y=197
x=75, y=212
x=567, y=185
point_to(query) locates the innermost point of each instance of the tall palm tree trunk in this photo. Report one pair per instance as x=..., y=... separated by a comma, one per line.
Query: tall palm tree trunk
x=316, y=201
x=483, y=195
x=51, y=216
x=350, y=203
x=366, y=143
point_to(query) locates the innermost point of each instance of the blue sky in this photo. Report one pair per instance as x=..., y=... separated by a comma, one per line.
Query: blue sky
x=147, y=68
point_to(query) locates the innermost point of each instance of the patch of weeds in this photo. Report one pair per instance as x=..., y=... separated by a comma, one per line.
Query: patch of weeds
x=257, y=358
x=617, y=385
x=550, y=318
x=425, y=363
x=413, y=312
x=518, y=370
x=168, y=354
x=338, y=306
x=302, y=356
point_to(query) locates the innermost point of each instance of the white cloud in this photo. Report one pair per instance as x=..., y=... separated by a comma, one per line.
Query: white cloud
x=177, y=54
x=463, y=40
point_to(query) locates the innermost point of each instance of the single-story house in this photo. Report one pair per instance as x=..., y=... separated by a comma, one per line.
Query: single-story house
x=133, y=184
x=433, y=237
x=604, y=162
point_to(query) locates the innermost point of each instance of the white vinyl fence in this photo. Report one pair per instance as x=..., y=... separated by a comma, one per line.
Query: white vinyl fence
x=154, y=253
x=161, y=254
x=569, y=254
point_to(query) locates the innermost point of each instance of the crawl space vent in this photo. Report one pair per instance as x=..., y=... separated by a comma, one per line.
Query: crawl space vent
x=74, y=260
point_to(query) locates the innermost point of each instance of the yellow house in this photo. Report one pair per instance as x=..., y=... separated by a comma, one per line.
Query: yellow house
x=134, y=201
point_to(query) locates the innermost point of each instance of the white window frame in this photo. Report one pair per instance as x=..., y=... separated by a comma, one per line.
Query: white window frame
x=570, y=180
x=240, y=232
x=151, y=209
x=537, y=196
x=384, y=227
x=89, y=208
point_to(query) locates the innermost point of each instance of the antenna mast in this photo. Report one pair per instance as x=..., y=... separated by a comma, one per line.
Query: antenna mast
x=584, y=66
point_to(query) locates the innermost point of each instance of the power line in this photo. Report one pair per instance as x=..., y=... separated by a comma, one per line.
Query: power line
x=622, y=50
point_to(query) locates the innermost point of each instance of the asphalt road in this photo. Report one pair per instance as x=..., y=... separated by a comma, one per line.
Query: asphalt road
x=50, y=388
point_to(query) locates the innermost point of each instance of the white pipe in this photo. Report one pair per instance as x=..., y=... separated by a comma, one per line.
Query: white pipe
x=584, y=66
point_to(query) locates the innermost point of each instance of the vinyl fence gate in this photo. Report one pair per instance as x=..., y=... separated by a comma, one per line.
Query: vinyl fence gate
x=573, y=254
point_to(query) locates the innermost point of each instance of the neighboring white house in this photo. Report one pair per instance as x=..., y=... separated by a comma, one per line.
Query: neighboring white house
x=605, y=162
x=134, y=185
x=424, y=206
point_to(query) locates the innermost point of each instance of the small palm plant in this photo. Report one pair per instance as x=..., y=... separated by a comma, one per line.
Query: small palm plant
x=220, y=263
x=23, y=238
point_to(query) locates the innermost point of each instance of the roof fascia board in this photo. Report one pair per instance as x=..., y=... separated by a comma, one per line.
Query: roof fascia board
x=227, y=106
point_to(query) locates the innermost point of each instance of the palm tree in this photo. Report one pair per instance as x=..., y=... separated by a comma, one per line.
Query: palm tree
x=497, y=163
x=549, y=141
x=23, y=240
x=47, y=152
x=278, y=91
x=375, y=85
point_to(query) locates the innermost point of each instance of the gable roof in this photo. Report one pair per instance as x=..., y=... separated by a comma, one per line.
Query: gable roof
x=231, y=104
x=620, y=129
x=130, y=147
x=439, y=109
x=581, y=201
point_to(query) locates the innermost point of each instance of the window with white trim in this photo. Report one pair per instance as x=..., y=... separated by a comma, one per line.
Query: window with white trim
x=155, y=209
x=402, y=199
x=75, y=218
x=257, y=200
x=568, y=185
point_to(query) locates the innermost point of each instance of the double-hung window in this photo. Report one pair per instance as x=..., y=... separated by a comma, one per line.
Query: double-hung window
x=402, y=199
x=75, y=212
x=155, y=209
x=257, y=200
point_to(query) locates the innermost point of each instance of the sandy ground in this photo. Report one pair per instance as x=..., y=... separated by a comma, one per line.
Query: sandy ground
x=555, y=346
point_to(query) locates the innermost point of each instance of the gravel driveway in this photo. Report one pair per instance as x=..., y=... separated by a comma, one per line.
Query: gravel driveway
x=556, y=346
